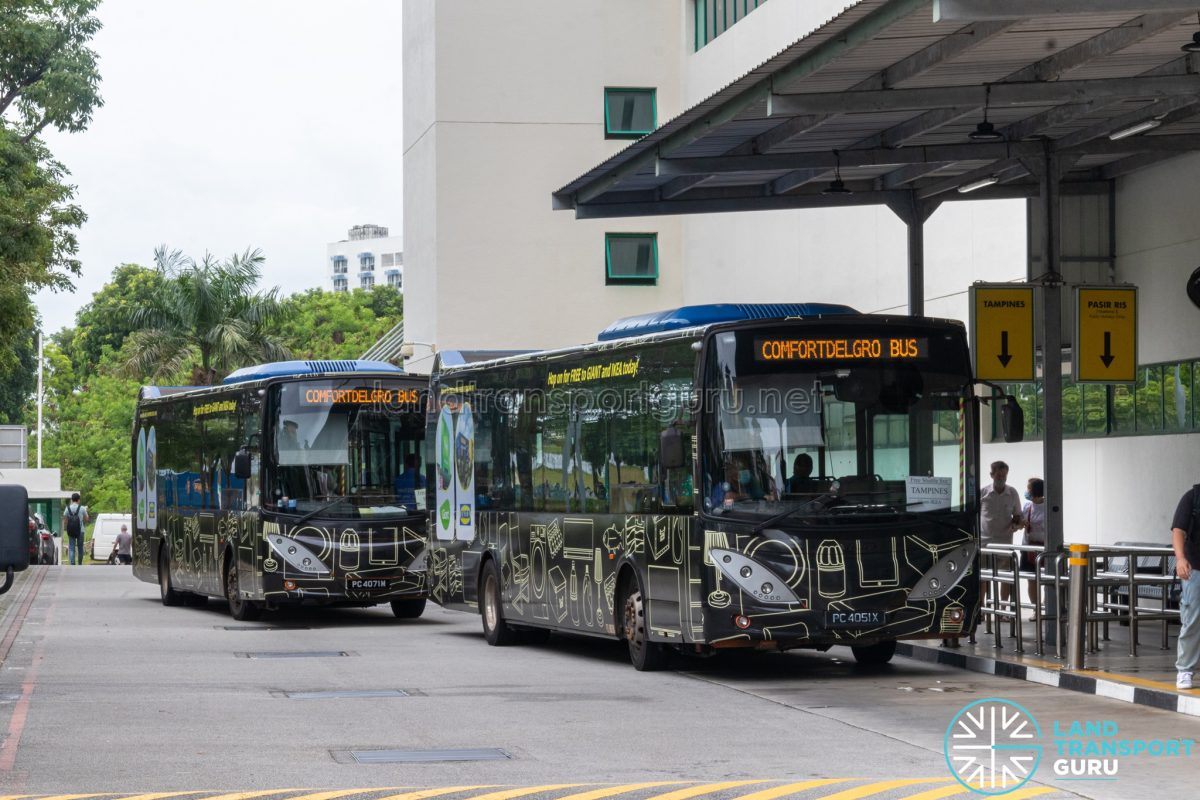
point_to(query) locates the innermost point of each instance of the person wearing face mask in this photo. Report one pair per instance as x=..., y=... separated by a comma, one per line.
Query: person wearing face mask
x=75, y=516
x=1034, y=522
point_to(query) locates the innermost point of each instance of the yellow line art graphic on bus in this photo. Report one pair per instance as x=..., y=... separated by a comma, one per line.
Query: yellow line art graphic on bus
x=878, y=788
x=790, y=788
x=424, y=793
x=610, y=791
x=704, y=788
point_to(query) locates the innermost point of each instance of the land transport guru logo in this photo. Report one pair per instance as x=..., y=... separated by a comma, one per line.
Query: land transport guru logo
x=993, y=747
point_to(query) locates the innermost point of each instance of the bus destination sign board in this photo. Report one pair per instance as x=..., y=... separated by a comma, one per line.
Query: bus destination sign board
x=359, y=396
x=840, y=348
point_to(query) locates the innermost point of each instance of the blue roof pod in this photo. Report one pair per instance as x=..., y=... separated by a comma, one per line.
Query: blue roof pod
x=283, y=369
x=699, y=316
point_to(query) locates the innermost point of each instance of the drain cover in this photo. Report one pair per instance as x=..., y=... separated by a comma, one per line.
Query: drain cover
x=340, y=695
x=414, y=756
x=298, y=654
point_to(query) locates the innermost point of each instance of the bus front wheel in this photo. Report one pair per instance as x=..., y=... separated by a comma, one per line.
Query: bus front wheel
x=240, y=608
x=491, y=609
x=408, y=609
x=169, y=596
x=874, y=654
x=643, y=653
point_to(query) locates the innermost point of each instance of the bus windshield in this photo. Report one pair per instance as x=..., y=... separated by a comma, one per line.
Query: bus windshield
x=346, y=448
x=838, y=423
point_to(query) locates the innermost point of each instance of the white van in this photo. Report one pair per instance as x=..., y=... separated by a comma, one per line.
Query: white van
x=105, y=533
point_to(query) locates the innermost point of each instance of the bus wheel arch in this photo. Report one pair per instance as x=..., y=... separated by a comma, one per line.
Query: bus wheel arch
x=240, y=608
x=632, y=623
x=496, y=631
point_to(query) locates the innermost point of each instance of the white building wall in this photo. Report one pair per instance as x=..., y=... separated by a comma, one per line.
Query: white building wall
x=351, y=249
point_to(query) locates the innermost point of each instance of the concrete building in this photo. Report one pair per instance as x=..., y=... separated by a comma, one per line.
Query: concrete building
x=367, y=257
x=505, y=105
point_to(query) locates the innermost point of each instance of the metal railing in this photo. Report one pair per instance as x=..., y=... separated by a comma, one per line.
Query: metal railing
x=1108, y=594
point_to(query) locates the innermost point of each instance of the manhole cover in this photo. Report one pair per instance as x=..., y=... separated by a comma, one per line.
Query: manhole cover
x=414, y=756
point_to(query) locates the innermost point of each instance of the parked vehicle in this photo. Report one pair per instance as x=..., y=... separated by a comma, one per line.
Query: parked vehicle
x=49, y=545
x=104, y=534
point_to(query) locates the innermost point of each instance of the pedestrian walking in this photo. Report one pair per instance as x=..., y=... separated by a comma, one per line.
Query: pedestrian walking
x=75, y=516
x=124, y=546
x=1185, y=528
x=999, y=512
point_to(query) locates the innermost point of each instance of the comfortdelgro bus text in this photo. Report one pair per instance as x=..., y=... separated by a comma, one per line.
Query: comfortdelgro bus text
x=716, y=476
x=293, y=482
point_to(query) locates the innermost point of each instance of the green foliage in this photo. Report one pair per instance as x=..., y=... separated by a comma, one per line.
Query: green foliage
x=319, y=324
x=207, y=312
x=88, y=429
x=48, y=74
x=105, y=322
x=19, y=382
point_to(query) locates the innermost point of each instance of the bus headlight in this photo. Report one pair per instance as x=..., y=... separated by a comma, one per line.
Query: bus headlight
x=296, y=554
x=753, y=578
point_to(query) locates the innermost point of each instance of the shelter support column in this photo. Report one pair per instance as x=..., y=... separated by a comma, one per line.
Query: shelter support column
x=913, y=211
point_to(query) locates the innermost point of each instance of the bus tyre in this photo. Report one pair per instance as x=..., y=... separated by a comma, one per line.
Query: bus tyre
x=491, y=608
x=169, y=596
x=645, y=655
x=408, y=609
x=874, y=654
x=240, y=608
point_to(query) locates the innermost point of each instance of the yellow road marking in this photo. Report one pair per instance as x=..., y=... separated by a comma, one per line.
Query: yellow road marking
x=508, y=794
x=940, y=792
x=332, y=795
x=250, y=795
x=609, y=791
x=704, y=788
x=70, y=796
x=423, y=793
x=157, y=795
x=789, y=788
x=879, y=787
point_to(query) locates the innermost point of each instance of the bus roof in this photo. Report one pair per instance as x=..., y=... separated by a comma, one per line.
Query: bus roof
x=281, y=369
x=704, y=315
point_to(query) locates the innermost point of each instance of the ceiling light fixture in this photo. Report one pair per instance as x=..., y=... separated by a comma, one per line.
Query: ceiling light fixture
x=1194, y=45
x=837, y=185
x=986, y=131
x=1134, y=130
x=979, y=184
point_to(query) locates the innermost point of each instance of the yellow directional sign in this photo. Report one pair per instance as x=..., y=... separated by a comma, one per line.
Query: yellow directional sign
x=1002, y=332
x=1105, y=334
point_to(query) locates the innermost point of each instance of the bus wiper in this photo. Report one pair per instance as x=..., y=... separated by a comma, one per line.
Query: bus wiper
x=319, y=509
x=819, y=502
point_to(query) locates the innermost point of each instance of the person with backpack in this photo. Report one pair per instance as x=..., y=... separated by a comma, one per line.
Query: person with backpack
x=75, y=516
x=1184, y=533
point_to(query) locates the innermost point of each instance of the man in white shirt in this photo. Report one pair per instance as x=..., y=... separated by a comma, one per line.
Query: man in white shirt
x=999, y=512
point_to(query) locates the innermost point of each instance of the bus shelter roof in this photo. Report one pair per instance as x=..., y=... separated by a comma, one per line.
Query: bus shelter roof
x=894, y=99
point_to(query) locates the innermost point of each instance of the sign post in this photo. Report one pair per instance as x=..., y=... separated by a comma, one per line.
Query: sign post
x=1105, y=334
x=1002, y=332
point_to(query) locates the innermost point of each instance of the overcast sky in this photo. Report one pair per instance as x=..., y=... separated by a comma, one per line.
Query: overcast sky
x=236, y=123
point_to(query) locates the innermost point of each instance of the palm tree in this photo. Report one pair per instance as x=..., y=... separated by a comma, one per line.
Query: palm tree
x=208, y=313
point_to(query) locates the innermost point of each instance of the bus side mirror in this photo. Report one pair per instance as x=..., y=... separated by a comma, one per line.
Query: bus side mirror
x=1012, y=420
x=14, y=532
x=670, y=448
x=241, y=465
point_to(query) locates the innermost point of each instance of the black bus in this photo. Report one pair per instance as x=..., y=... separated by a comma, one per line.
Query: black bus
x=769, y=476
x=292, y=482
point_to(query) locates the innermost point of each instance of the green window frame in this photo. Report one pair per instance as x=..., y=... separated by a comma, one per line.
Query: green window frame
x=711, y=18
x=629, y=102
x=630, y=259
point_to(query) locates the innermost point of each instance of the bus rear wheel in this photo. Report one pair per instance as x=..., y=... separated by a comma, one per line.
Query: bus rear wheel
x=166, y=592
x=491, y=609
x=874, y=654
x=409, y=608
x=644, y=654
x=240, y=608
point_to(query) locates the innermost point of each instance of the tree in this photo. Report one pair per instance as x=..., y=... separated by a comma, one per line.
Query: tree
x=18, y=383
x=105, y=322
x=207, y=312
x=334, y=325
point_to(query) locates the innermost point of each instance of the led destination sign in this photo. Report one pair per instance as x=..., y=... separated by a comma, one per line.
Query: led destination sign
x=322, y=396
x=868, y=348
